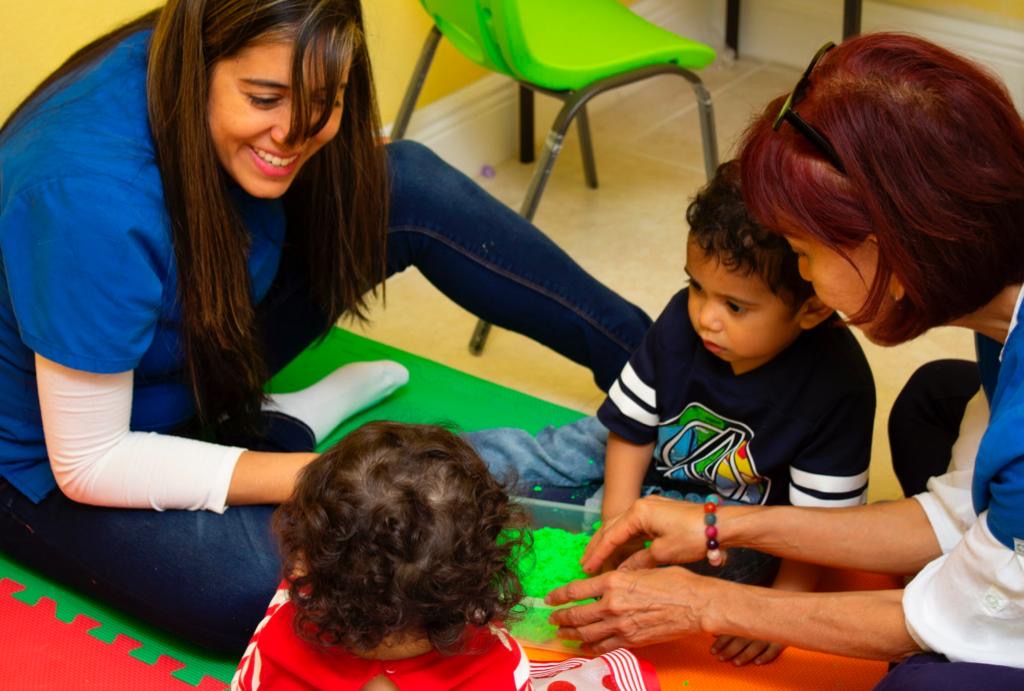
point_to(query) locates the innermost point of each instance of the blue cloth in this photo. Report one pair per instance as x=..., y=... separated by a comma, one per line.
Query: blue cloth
x=566, y=464
x=570, y=456
x=998, y=482
x=797, y=427
x=202, y=575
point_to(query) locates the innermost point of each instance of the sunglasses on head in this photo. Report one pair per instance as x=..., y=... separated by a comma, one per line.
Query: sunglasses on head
x=787, y=114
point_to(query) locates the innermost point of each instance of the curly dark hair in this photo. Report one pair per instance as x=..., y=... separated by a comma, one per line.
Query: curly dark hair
x=395, y=530
x=724, y=230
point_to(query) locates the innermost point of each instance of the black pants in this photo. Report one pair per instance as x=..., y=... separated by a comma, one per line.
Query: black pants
x=925, y=420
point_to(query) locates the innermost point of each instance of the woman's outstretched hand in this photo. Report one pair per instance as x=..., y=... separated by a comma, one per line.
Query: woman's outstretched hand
x=634, y=608
x=675, y=528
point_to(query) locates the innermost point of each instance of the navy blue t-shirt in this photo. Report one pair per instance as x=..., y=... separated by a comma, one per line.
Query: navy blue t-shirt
x=796, y=430
x=88, y=277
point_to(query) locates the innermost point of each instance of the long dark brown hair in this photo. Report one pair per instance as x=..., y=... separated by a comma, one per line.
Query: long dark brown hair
x=336, y=208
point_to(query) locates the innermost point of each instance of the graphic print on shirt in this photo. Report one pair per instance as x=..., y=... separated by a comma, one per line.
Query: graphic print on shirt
x=704, y=447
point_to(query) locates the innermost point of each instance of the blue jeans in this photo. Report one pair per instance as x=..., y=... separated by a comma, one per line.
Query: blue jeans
x=567, y=464
x=208, y=577
x=490, y=261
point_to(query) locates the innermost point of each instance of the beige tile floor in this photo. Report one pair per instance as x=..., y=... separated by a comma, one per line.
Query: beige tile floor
x=630, y=234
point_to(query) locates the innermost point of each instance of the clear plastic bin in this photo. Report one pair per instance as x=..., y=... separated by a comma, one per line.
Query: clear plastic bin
x=533, y=629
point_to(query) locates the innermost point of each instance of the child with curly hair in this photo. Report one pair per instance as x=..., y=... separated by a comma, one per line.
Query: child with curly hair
x=395, y=577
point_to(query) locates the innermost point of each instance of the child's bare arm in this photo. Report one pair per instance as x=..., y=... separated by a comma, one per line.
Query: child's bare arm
x=796, y=576
x=624, y=469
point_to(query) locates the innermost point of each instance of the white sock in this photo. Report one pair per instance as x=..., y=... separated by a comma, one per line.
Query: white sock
x=340, y=395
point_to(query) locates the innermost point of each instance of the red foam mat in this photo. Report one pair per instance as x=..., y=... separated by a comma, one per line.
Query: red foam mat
x=41, y=652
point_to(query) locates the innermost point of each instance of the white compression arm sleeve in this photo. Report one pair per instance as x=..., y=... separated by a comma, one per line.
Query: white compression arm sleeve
x=97, y=459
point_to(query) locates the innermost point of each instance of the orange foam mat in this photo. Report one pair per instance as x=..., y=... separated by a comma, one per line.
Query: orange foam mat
x=687, y=664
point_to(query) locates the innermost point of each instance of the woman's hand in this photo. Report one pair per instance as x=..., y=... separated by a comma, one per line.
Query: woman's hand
x=676, y=530
x=634, y=608
x=622, y=553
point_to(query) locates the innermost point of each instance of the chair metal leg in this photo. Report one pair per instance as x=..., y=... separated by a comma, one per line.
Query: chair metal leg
x=707, y=128
x=412, y=92
x=574, y=106
x=479, y=338
x=552, y=146
x=851, y=18
x=526, y=120
x=587, y=148
x=732, y=26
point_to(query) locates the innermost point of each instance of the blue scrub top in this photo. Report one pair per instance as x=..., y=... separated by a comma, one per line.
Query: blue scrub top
x=998, y=482
x=88, y=277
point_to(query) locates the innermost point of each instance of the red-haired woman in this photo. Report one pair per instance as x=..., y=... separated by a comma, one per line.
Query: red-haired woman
x=896, y=171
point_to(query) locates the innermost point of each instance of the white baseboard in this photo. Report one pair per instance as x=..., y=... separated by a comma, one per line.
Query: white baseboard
x=477, y=125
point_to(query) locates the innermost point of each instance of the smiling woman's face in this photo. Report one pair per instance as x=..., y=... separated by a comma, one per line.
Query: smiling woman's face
x=250, y=112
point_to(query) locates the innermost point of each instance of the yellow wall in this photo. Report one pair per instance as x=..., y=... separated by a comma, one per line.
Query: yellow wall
x=396, y=30
x=38, y=36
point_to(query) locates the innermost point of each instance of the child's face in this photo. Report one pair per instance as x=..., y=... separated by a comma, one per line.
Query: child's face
x=739, y=319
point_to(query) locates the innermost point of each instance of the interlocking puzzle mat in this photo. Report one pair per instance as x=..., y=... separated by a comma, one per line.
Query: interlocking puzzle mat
x=54, y=638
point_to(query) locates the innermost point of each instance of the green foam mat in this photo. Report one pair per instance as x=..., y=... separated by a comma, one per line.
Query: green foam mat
x=435, y=394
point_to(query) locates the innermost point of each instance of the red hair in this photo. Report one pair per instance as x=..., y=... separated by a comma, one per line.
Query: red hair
x=934, y=155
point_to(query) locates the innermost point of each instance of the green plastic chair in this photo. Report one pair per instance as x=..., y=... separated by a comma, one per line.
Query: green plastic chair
x=571, y=49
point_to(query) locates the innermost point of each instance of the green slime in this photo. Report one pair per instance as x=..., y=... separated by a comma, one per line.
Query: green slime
x=552, y=561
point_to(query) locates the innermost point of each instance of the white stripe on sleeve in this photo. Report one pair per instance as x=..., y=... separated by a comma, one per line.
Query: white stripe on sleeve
x=833, y=484
x=800, y=498
x=635, y=385
x=628, y=407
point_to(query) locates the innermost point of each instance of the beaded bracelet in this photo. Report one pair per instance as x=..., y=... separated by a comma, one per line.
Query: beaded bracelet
x=715, y=556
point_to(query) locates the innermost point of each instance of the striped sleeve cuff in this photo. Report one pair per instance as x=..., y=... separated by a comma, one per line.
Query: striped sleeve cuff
x=630, y=407
x=812, y=489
